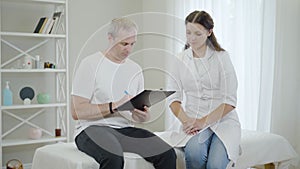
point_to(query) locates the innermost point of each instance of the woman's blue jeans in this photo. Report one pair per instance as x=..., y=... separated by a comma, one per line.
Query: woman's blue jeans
x=205, y=151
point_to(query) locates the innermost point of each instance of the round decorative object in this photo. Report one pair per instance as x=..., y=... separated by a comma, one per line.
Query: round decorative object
x=27, y=92
x=35, y=133
x=14, y=164
x=27, y=101
x=43, y=98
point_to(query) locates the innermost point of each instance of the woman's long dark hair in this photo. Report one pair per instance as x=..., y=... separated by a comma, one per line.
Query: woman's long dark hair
x=203, y=18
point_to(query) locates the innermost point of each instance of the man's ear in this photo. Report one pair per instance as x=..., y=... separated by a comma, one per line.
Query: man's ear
x=110, y=37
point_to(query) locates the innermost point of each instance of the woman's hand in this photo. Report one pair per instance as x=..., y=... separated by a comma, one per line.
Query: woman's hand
x=191, y=126
x=139, y=115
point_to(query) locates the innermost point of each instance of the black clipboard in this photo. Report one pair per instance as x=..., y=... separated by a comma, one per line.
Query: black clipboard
x=145, y=98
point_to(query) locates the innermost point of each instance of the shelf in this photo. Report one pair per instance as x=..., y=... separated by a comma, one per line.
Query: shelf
x=34, y=35
x=17, y=41
x=33, y=70
x=14, y=107
x=39, y=1
x=48, y=1
x=15, y=142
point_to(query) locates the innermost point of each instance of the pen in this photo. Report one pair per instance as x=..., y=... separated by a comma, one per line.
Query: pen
x=126, y=92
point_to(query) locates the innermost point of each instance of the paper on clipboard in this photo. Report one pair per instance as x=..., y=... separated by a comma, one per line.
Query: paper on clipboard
x=145, y=98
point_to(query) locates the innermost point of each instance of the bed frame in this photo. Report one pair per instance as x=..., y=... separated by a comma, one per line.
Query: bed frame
x=67, y=156
x=269, y=166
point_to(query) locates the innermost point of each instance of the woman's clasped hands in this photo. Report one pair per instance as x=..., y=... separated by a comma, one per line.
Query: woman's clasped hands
x=192, y=126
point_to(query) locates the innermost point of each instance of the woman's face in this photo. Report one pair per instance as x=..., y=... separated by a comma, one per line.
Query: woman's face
x=196, y=35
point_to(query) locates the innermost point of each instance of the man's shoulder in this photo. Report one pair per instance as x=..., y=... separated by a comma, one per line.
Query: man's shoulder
x=132, y=63
x=93, y=57
x=92, y=60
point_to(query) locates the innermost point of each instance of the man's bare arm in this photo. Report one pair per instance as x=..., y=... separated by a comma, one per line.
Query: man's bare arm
x=82, y=109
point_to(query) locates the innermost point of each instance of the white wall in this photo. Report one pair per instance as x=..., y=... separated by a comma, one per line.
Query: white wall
x=87, y=34
x=285, y=117
x=13, y=19
x=95, y=14
x=298, y=132
x=87, y=20
x=154, y=56
x=87, y=16
x=87, y=30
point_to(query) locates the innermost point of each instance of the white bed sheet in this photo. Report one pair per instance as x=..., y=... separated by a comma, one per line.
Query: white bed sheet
x=258, y=148
x=67, y=156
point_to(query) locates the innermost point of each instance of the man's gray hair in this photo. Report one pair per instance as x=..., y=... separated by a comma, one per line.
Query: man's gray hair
x=123, y=23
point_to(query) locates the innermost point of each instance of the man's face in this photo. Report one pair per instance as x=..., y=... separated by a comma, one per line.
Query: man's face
x=123, y=44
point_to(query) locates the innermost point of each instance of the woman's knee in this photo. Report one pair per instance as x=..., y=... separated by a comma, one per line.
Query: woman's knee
x=218, y=158
x=194, y=149
x=214, y=163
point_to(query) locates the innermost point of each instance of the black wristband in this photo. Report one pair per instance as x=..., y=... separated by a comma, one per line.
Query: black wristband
x=110, y=108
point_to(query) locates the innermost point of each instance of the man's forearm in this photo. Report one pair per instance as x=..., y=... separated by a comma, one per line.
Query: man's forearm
x=82, y=109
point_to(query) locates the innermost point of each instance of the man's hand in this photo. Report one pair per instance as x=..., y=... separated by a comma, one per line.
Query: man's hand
x=139, y=115
x=123, y=100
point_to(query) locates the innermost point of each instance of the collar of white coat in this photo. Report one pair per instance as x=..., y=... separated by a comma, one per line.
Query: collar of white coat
x=208, y=54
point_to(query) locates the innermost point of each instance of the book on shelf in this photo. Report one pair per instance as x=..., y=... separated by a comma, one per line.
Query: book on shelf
x=39, y=25
x=57, y=21
x=44, y=24
x=49, y=25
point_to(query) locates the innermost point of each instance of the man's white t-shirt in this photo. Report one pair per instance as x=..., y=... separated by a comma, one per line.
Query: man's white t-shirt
x=102, y=81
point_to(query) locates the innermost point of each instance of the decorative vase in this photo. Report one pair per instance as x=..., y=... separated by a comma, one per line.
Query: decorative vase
x=43, y=98
x=35, y=133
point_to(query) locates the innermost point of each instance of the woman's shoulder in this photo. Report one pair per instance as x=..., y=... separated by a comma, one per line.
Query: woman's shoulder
x=187, y=53
x=223, y=55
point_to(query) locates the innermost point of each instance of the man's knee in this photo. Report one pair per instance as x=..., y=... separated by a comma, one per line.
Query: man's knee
x=170, y=154
x=111, y=161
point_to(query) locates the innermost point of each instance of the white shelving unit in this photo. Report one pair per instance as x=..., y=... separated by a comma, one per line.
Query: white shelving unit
x=18, y=19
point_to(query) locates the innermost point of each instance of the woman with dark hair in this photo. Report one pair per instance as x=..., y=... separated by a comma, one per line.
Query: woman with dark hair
x=204, y=74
